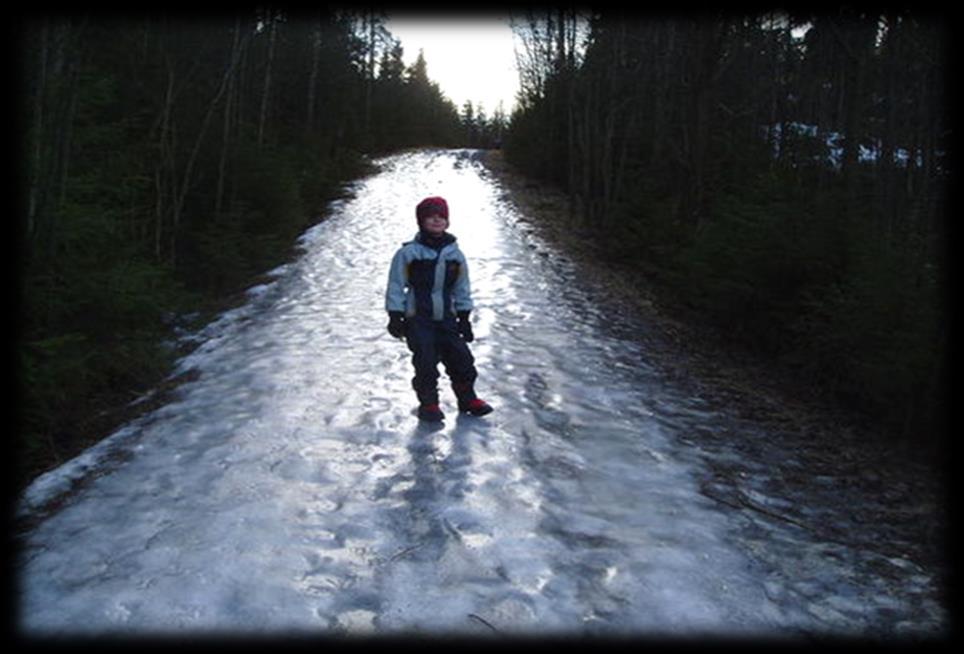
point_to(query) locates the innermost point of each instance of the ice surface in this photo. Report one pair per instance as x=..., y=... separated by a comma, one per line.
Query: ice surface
x=289, y=488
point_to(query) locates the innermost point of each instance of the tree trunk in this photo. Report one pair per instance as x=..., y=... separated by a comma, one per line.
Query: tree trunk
x=313, y=80
x=181, y=196
x=701, y=76
x=165, y=165
x=67, y=69
x=886, y=171
x=35, y=177
x=571, y=149
x=66, y=133
x=369, y=77
x=228, y=109
x=266, y=93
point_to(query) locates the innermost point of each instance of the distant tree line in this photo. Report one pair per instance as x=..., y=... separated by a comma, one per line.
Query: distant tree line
x=784, y=174
x=166, y=161
x=479, y=130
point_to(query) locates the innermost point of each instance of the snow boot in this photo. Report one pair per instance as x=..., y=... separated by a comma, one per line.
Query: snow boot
x=475, y=407
x=430, y=413
x=468, y=401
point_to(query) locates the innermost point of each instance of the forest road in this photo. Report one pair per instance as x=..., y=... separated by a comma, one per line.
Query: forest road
x=288, y=487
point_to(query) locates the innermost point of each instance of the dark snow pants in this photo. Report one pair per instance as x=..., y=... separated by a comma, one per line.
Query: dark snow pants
x=431, y=342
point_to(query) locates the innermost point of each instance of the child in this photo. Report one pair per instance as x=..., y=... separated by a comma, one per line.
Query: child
x=428, y=302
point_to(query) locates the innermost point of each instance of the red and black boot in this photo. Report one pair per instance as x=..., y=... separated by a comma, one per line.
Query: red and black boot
x=475, y=407
x=430, y=413
x=428, y=409
x=468, y=401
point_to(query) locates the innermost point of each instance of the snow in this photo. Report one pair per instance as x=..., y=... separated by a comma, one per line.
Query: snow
x=289, y=488
x=830, y=144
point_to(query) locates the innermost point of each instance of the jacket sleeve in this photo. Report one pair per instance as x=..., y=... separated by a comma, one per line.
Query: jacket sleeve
x=397, y=281
x=462, y=290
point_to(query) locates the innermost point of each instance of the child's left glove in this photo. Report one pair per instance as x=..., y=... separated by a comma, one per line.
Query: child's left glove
x=465, y=327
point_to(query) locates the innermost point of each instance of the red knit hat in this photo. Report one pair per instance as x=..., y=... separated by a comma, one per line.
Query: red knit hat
x=430, y=206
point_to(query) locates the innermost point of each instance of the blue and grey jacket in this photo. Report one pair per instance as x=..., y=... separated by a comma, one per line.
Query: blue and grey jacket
x=429, y=282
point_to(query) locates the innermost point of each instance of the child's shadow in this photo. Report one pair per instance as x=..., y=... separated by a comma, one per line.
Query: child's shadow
x=440, y=481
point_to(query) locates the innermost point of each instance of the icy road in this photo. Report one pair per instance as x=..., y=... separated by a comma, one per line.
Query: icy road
x=288, y=487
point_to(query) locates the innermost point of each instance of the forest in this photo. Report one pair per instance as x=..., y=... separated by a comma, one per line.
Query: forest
x=782, y=175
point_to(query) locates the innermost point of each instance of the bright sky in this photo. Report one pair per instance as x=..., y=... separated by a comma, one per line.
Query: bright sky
x=470, y=58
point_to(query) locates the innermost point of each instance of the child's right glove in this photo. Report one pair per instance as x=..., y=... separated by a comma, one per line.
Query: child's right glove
x=396, y=324
x=465, y=327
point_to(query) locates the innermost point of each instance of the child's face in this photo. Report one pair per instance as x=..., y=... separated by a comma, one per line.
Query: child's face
x=435, y=224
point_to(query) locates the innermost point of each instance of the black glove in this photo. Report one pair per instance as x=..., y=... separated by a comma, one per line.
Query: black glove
x=396, y=324
x=465, y=327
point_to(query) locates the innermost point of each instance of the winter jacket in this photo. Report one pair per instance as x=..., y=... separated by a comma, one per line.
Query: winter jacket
x=429, y=282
